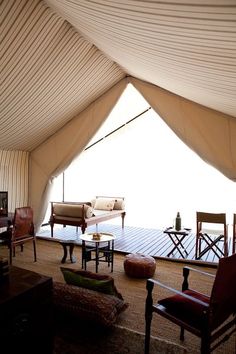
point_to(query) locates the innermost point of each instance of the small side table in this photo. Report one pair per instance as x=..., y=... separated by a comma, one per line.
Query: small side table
x=70, y=245
x=103, y=248
x=177, y=238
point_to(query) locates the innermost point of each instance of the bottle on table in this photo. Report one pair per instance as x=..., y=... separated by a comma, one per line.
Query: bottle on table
x=178, y=222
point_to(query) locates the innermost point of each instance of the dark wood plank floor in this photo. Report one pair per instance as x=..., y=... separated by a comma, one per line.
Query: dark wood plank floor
x=131, y=239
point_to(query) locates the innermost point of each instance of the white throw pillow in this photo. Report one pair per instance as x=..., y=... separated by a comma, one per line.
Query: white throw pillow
x=93, y=201
x=104, y=204
x=119, y=204
x=88, y=211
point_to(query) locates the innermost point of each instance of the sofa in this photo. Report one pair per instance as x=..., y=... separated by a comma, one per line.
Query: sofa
x=87, y=297
x=84, y=214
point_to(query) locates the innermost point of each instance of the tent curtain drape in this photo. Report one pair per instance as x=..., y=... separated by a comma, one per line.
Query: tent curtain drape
x=55, y=155
x=211, y=134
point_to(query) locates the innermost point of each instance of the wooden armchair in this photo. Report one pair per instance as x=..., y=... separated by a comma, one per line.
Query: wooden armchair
x=22, y=230
x=212, y=318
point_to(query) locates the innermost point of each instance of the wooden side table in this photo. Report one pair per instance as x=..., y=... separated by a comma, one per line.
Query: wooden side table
x=103, y=248
x=177, y=238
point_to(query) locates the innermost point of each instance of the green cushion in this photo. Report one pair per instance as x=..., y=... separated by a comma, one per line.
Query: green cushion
x=89, y=280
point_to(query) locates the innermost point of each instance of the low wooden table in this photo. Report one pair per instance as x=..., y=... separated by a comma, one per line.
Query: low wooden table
x=70, y=244
x=177, y=238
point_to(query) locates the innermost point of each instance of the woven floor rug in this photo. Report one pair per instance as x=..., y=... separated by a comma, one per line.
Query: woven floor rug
x=117, y=340
x=49, y=255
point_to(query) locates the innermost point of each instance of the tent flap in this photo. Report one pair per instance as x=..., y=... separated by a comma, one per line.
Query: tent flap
x=209, y=133
x=55, y=155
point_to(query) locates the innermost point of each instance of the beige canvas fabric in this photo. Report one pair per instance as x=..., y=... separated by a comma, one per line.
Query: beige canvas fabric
x=55, y=155
x=211, y=134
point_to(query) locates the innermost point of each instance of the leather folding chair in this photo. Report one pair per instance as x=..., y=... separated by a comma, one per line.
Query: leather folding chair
x=234, y=234
x=210, y=238
x=212, y=318
x=22, y=230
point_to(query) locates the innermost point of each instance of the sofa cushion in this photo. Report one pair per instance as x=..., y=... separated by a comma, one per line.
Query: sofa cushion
x=104, y=204
x=73, y=210
x=119, y=204
x=87, y=304
x=89, y=280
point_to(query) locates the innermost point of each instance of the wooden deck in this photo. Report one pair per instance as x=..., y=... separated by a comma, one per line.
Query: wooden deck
x=136, y=240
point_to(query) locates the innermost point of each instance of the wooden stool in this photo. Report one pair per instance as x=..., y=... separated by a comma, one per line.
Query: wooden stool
x=139, y=266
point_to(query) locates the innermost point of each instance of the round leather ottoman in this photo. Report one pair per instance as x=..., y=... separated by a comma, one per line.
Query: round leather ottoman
x=139, y=266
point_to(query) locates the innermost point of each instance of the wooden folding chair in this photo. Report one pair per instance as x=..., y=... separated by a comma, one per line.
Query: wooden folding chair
x=210, y=238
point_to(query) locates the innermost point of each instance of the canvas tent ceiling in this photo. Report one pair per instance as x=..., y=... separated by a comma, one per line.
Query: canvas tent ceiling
x=186, y=47
x=51, y=71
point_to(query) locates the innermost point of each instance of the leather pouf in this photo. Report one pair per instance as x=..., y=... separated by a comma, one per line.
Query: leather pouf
x=139, y=266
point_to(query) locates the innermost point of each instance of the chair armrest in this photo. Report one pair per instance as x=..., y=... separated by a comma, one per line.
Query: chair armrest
x=193, y=299
x=186, y=271
x=199, y=271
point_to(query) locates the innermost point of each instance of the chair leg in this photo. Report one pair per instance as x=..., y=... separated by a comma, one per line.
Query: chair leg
x=148, y=316
x=200, y=247
x=35, y=256
x=196, y=247
x=148, y=331
x=11, y=248
x=226, y=249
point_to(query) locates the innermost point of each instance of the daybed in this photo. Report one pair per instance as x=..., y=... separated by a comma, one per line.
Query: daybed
x=84, y=214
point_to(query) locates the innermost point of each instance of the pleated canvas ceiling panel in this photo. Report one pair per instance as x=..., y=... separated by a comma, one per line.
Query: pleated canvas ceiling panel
x=49, y=73
x=187, y=47
x=58, y=56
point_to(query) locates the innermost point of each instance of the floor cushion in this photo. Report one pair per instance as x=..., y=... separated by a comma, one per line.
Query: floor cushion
x=89, y=280
x=87, y=304
x=139, y=266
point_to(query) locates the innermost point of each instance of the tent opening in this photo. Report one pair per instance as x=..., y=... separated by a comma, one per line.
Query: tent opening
x=145, y=162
